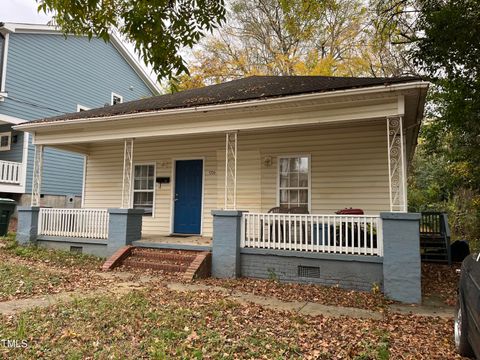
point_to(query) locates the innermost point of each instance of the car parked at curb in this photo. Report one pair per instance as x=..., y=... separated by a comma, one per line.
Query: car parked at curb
x=467, y=314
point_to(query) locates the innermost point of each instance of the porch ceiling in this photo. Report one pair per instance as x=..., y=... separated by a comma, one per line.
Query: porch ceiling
x=294, y=111
x=219, y=121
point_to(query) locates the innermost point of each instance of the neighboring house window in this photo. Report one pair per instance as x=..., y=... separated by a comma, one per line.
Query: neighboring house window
x=82, y=108
x=5, y=141
x=116, y=99
x=144, y=188
x=294, y=181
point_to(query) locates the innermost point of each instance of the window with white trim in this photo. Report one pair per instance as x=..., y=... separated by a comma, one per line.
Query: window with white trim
x=294, y=178
x=116, y=99
x=5, y=141
x=144, y=188
x=82, y=108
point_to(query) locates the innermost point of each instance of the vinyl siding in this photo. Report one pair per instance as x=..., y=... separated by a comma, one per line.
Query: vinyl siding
x=49, y=75
x=348, y=169
x=16, y=149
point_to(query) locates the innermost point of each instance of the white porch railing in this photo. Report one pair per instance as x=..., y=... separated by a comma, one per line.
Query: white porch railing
x=81, y=223
x=10, y=172
x=339, y=234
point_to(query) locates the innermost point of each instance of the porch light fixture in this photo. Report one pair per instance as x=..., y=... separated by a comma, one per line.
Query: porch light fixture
x=267, y=161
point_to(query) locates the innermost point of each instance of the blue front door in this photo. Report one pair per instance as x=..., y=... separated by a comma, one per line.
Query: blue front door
x=188, y=196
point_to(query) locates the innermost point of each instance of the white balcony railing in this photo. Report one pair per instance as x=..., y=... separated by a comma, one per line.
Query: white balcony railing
x=10, y=172
x=80, y=223
x=339, y=234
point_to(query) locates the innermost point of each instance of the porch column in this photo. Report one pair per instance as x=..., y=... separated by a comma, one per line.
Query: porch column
x=227, y=232
x=27, y=228
x=401, y=256
x=37, y=175
x=396, y=164
x=231, y=171
x=124, y=227
x=127, y=184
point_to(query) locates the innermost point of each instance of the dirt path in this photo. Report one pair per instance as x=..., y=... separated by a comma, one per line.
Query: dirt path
x=123, y=284
x=119, y=288
x=314, y=309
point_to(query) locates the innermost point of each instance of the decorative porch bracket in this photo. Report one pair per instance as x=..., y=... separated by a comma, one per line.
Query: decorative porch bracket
x=37, y=175
x=231, y=171
x=127, y=174
x=396, y=165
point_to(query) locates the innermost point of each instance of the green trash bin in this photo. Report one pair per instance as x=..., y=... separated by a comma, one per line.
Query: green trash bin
x=7, y=207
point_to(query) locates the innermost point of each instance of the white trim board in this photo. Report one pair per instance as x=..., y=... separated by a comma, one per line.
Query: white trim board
x=84, y=180
x=26, y=139
x=82, y=108
x=4, y=63
x=16, y=189
x=11, y=119
x=115, y=95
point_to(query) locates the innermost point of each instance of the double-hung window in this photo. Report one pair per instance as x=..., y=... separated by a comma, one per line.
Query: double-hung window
x=294, y=181
x=144, y=188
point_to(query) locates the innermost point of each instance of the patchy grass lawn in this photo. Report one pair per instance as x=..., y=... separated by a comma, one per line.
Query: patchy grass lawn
x=58, y=258
x=24, y=281
x=28, y=271
x=161, y=324
x=156, y=323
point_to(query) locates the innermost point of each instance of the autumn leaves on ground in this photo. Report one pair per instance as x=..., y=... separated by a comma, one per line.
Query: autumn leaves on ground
x=155, y=322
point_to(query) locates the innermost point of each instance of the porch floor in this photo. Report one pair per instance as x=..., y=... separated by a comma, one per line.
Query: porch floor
x=195, y=240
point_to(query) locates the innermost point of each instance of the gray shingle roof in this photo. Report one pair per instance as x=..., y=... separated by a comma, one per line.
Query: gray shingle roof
x=250, y=88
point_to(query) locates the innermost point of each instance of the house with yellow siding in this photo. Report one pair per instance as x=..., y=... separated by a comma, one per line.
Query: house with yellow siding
x=302, y=176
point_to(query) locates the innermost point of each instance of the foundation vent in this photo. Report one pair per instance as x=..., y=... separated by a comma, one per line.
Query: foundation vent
x=76, y=249
x=309, y=271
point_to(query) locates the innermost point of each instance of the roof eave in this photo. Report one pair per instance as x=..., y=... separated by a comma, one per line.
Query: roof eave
x=391, y=88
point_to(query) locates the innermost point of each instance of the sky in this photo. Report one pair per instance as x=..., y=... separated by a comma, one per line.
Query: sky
x=25, y=11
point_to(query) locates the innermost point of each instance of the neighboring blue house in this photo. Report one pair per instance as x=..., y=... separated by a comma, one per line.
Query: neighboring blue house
x=43, y=74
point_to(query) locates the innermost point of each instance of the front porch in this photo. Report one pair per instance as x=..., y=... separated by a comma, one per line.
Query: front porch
x=279, y=171
x=188, y=242
x=287, y=227
x=13, y=156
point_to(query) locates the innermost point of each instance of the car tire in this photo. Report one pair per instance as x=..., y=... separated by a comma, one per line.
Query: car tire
x=460, y=330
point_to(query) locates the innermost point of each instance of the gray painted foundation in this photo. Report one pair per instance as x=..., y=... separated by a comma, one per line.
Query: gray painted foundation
x=402, y=272
x=226, y=243
x=27, y=228
x=124, y=227
x=348, y=271
x=85, y=246
x=398, y=272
